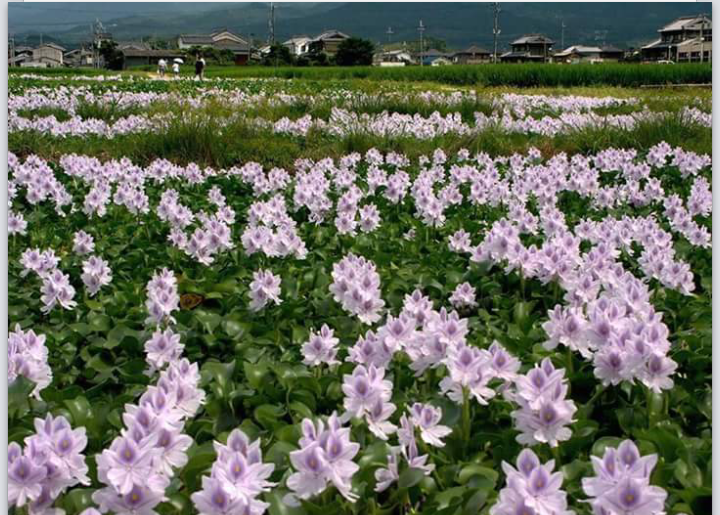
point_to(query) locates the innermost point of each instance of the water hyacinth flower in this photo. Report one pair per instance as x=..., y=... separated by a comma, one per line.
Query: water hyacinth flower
x=621, y=484
x=163, y=348
x=325, y=457
x=544, y=412
x=57, y=291
x=320, y=348
x=427, y=418
x=463, y=296
x=163, y=297
x=531, y=488
x=83, y=243
x=96, y=274
x=16, y=224
x=27, y=357
x=264, y=288
x=356, y=286
x=51, y=462
x=238, y=476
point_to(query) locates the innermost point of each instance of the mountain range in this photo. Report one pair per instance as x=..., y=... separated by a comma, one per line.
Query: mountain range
x=458, y=24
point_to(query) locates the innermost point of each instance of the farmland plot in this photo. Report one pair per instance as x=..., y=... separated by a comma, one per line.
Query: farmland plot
x=394, y=300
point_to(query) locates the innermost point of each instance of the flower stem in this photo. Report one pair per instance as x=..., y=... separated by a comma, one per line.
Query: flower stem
x=466, y=417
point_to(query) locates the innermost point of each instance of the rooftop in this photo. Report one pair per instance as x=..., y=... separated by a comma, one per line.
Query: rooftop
x=687, y=22
x=533, y=39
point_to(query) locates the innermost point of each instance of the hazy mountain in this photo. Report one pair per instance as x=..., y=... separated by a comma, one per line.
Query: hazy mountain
x=460, y=24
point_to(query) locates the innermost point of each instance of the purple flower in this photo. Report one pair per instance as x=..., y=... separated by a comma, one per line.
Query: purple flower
x=264, y=288
x=320, y=348
x=427, y=418
x=531, y=488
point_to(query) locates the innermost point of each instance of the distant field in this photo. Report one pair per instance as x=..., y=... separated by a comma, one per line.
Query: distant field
x=518, y=75
x=523, y=75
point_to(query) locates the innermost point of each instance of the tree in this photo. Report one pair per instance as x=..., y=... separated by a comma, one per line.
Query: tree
x=355, y=52
x=278, y=55
x=111, y=55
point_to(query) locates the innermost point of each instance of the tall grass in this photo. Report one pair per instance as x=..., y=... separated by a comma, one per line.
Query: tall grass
x=520, y=75
x=210, y=142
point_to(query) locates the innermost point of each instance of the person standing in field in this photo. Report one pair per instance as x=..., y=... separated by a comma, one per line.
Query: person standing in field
x=202, y=70
x=199, y=65
x=176, y=70
x=162, y=67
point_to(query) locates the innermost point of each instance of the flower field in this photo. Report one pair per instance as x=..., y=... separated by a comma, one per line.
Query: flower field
x=296, y=297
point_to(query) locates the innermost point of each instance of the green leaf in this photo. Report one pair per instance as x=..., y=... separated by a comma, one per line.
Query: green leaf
x=410, y=477
x=80, y=410
x=477, y=470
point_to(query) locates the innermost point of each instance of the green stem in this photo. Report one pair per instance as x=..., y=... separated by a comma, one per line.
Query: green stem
x=466, y=417
x=556, y=455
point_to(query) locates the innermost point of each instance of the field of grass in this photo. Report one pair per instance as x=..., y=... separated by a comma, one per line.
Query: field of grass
x=525, y=75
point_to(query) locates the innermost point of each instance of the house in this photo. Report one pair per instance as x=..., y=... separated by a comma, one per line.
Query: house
x=132, y=57
x=588, y=54
x=429, y=56
x=50, y=54
x=79, y=57
x=133, y=45
x=220, y=40
x=530, y=48
x=328, y=42
x=472, y=55
x=437, y=61
x=20, y=59
x=392, y=58
x=689, y=35
x=298, y=45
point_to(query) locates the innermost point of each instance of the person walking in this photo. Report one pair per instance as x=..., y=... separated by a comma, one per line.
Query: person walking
x=199, y=65
x=176, y=69
x=162, y=67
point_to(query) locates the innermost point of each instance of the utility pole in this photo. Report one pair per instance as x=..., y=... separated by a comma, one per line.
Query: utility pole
x=389, y=33
x=496, y=28
x=271, y=24
x=562, y=35
x=702, y=41
x=11, y=50
x=421, y=30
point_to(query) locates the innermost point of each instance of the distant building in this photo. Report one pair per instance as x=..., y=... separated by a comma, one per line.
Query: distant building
x=132, y=57
x=688, y=38
x=220, y=40
x=531, y=48
x=133, y=45
x=298, y=45
x=588, y=54
x=79, y=57
x=392, y=58
x=328, y=42
x=472, y=55
x=50, y=55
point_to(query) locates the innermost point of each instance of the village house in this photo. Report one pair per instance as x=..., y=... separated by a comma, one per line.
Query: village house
x=434, y=57
x=79, y=57
x=133, y=57
x=328, y=42
x=688, y=38
x=392, y=58
x=221, y=40
x=298, y=45
x=49, y=55
x=472, y=55
x=531, y=48
x=589, y=54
